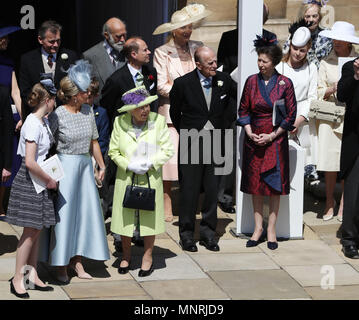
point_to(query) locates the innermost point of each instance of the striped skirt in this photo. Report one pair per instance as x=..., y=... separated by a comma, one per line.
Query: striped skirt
x=26, y=207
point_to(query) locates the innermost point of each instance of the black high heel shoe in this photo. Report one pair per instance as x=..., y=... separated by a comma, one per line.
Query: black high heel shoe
x=253, y=243
x=14, y=292
x=272, y=245
x=124, y=270
x=145, y=273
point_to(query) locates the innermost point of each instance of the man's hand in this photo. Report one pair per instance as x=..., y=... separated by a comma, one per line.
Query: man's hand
x=5, y=175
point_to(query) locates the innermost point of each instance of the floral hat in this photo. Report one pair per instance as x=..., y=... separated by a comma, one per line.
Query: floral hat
x=136, y=98
x=187, y=15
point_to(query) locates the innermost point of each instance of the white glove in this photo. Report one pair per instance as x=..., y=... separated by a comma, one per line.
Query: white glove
x=137, y=167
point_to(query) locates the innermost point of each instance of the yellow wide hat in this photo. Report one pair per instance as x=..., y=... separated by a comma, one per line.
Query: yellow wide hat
x=187, y=15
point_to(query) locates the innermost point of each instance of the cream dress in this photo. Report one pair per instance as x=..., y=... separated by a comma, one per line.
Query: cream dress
x=329, y=133
x=305, y=80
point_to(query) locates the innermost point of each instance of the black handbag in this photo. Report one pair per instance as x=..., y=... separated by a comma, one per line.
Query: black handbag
x=138, y=197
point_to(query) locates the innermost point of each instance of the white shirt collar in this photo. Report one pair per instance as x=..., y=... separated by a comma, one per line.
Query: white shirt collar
x=133, y=70
x=201, y=76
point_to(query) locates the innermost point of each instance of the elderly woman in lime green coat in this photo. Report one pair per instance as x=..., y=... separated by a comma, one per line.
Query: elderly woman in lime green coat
x=140, y=143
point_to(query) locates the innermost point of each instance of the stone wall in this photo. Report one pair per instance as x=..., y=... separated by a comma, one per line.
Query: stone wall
x=281, y=14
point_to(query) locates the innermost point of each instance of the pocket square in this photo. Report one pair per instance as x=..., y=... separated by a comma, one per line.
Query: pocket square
x=222, y=97
x=152, y=85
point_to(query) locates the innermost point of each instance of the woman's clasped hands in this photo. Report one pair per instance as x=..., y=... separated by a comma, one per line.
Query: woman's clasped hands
x=261, y=139
x=139, y=166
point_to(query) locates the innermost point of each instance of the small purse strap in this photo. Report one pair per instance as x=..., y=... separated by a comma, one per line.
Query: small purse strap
x=133, y=180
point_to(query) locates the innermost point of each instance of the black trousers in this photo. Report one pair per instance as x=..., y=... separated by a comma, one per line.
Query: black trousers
x=350, y=225
x=192, y=179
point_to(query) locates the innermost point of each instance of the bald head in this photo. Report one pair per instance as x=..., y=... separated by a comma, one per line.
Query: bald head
x=206, y=61
x=114, y=31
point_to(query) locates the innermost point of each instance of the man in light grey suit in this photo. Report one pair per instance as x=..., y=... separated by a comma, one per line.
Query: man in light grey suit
x=106, y=57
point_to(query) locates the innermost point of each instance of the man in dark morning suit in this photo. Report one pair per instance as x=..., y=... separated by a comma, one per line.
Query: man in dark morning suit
x=348, y=92
x=6, y=134
x=203, y=99
x=107, y=56
x=228, y=58
x=134, y=73
x=49, y=58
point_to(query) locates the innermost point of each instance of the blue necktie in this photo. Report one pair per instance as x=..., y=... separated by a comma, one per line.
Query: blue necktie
x=207, y=83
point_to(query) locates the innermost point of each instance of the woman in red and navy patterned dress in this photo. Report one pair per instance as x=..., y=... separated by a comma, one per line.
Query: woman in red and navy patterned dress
x=265, y=166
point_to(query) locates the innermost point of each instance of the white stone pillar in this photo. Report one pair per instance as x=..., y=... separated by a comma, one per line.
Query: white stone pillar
x=290, y=216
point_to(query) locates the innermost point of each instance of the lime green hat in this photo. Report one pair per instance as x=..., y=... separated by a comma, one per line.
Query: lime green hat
x=136, y=98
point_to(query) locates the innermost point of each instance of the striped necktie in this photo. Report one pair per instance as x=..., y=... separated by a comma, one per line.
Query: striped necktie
x=139, y=79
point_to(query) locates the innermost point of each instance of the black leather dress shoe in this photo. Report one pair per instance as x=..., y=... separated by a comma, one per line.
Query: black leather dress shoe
x=210, y=244
x=145, y=273
x=351, y=252
x=225, y=207
x=188, y=245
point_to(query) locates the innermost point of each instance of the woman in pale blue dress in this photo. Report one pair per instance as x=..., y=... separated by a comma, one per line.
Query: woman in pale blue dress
x=81, y=230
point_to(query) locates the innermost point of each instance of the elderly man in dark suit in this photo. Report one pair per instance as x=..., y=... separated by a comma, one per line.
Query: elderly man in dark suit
x=348, y=92
x=202, y=100
x=49, y=58
x=107, y=56
x=6, y=134
x=135, y=73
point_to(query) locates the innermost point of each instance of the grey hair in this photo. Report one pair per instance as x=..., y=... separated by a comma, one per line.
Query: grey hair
x=49, y=25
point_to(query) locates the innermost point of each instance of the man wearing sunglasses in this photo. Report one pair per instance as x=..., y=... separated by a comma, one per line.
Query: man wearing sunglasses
x=49, y=58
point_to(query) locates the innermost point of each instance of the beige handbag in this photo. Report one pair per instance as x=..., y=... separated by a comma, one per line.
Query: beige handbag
x=325, y=110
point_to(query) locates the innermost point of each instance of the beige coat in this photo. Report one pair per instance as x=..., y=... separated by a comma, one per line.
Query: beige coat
x=169, y=67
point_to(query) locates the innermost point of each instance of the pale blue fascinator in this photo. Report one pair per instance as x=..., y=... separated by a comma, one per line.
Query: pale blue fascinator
x=80, y=74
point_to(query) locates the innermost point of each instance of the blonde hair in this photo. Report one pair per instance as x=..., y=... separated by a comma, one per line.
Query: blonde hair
x=37, y=95
x=306, y=7
x=67, y=90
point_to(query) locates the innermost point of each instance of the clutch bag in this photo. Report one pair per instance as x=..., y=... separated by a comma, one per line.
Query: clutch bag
x=139, y=197
x=326, y=110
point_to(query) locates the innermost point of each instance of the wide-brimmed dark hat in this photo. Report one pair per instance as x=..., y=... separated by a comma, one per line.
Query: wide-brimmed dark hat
x=4, y=31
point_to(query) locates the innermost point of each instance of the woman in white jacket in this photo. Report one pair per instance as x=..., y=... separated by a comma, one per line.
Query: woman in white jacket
x=304, y=76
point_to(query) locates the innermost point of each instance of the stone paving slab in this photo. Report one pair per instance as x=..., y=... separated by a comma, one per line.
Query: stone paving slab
x=236, y=245
x=57, y=294
x=353, y=262
x=315, y=275
x=311, y=219
x=241, y=261
x=196, y=289
x=6, y=228
x=127, y=288
x=330, y=234
x=338, y=293
x=302, y=252
x=178, y=267
x=7, y=268
x=261, y=284
x=119, y=298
